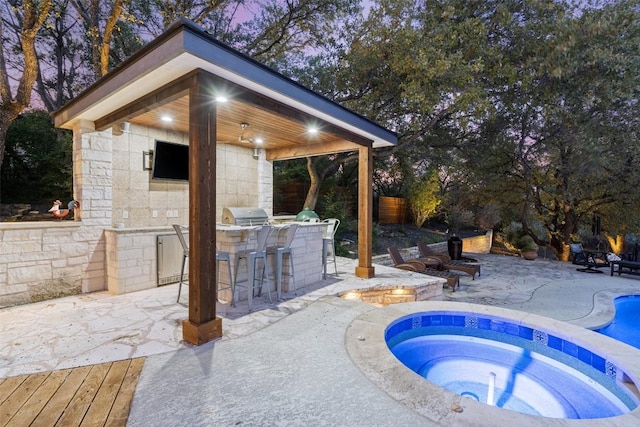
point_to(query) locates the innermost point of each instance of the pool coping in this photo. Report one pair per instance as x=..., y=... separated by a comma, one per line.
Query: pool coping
x=603, y=311
x=366, y=345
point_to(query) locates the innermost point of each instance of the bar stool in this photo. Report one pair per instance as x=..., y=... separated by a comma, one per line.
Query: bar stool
x=224, y=256
x=251, y=256
x=286, y=234
x=220, y=256
x=329, y=241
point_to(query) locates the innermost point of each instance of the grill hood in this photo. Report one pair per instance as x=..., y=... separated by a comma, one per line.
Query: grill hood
x=244, y=216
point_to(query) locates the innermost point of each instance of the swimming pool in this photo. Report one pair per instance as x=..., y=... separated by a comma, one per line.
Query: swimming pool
x=467, y=343
x=625, y=325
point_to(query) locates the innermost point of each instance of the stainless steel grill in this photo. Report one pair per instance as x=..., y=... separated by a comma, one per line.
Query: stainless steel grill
x=244, y=216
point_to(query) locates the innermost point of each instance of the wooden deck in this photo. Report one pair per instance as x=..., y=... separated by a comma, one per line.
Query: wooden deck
x=97, y=395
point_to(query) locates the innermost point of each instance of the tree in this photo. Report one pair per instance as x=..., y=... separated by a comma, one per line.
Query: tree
x=24, y=24
x=100, y=18
x=61, y=72
x=567, y=108
x=38, y=166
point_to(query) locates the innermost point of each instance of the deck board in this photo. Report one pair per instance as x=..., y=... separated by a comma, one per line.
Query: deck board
x=32, y=407
x=19, y=397
x=97, y=395
x=57, y=404
x=120, y=410
x=106, y=395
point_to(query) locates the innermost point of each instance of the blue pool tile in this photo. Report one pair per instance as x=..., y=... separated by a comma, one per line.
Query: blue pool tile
x=403, y=325
x=599, y=363
x=416, y=322
x=511, y=329
x=497, y=325
x=484, y=323
x=436, y=320
x=570, y=348
x=584, y=355
x=447, y=320
x=392, y=331
x=426, y=320
x=458, y=320
x=554, y=342
x=526, y=333
x=612, y=369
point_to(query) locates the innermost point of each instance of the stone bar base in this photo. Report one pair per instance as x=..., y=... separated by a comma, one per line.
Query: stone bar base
x=202, y=333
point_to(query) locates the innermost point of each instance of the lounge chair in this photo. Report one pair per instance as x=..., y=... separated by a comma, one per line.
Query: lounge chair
x=418, y=266
x=629, y=263
x=587, y=259
x=449, y=264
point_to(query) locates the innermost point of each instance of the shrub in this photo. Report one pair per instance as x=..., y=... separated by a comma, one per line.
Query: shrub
x=424, y=199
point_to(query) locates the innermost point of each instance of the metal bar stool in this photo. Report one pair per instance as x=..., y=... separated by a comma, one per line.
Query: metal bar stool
x=224, y=256
x=329, y=241
x=286, y=234
x=251, y=256
x=220, y=256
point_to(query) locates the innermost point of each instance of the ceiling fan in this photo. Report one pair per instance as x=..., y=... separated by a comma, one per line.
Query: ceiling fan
x=242, y=138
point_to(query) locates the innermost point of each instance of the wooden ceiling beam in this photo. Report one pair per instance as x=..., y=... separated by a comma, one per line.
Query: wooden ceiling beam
x=163, y=95
x=338, y=146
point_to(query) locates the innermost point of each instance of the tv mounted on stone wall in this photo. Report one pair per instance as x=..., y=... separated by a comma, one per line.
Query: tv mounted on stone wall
x=170, y=161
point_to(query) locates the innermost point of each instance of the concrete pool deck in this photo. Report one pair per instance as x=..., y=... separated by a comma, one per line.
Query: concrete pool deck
x=284, y=364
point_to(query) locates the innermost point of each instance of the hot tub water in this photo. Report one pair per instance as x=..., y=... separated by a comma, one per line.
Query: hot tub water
x=508, y=365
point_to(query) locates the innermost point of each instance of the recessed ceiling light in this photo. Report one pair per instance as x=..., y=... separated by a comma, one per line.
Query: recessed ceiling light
x=259, y=140
x=313, y=130
x=166, y=118
x=222, y=98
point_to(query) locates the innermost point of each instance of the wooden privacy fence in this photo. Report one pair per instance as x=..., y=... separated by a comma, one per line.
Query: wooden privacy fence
x=392, y=210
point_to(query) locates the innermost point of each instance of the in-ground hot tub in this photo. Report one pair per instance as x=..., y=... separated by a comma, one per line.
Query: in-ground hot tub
x=471, y=355
x=519, y=377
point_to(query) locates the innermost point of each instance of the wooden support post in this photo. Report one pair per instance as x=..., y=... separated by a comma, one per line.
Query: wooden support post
x=365, y=215
x=202, y=325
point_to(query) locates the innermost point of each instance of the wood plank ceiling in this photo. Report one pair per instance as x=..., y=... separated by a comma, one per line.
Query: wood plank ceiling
x=276, y=131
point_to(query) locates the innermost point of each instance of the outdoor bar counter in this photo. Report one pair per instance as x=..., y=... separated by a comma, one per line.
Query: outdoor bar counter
x=306, y=248
x=132, y=256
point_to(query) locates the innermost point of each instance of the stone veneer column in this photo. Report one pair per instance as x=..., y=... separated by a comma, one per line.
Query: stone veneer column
x=93, y=173
x=265, y=183
x=92, y=188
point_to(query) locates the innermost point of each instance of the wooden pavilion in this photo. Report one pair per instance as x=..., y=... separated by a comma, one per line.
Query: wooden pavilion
x=209, y=89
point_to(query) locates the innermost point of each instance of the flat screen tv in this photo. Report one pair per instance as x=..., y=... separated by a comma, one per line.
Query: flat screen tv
x=170, y=161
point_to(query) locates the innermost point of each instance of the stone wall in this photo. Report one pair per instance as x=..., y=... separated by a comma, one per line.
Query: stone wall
x=40, y=258
x=471, y=245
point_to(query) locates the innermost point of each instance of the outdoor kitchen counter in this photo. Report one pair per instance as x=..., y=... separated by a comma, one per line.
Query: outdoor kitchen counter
x=306, y=248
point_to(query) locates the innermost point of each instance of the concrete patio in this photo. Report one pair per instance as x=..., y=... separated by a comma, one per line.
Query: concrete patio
x=283, y=364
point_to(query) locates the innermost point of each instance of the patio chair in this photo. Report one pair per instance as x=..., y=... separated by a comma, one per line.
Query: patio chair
x=589, y=260
x=418, y=266
x=449, y=264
